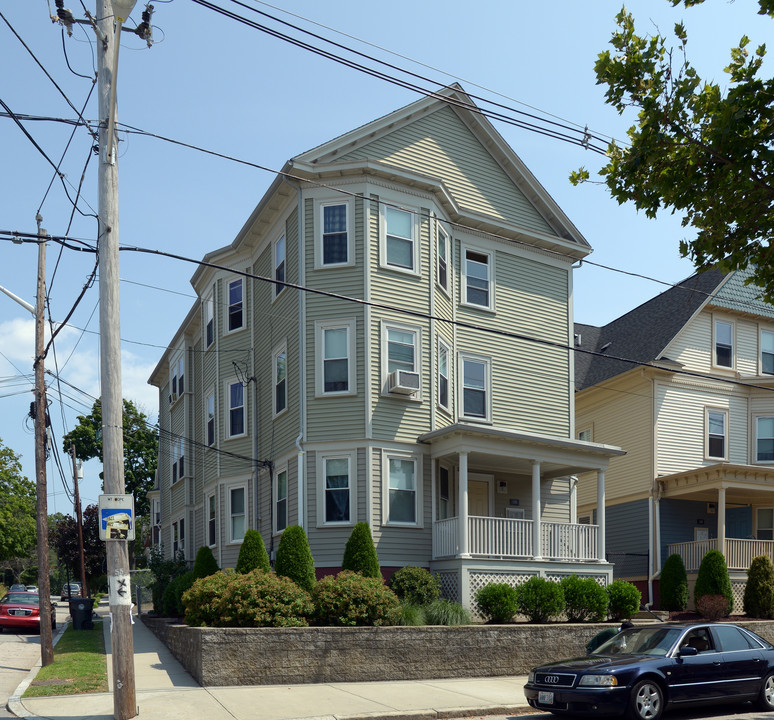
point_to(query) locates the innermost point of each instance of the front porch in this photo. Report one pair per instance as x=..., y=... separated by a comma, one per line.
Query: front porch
x=738, y=552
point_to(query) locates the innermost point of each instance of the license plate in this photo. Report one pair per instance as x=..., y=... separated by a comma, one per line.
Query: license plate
x=546, y=698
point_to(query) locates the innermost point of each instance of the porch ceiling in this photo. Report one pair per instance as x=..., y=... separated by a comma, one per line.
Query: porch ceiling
x=492, y=448
x=743, y=484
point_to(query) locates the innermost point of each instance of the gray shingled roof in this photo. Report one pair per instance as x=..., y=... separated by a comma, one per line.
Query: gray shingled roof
x=643, y=333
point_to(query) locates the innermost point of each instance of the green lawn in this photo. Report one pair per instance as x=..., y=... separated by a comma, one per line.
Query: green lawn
x=79, y=665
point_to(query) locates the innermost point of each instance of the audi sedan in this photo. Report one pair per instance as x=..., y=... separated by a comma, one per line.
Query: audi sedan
x=21, y=611
x=645, y=670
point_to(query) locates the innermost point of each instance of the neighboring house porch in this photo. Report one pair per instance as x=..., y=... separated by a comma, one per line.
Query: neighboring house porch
x=504, y=508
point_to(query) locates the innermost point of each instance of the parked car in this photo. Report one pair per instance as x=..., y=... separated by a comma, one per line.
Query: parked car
x=644, y=670
x=69, y=590
x=21, y=611
x=32, y=588
x=17, y=588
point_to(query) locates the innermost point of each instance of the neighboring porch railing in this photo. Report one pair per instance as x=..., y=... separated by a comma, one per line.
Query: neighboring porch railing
x=511, y=538
x=739, y=552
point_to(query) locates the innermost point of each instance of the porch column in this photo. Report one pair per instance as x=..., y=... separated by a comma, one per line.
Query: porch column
x=537, y=545
x=462, y=529
x=601, y=514
x=722, y=520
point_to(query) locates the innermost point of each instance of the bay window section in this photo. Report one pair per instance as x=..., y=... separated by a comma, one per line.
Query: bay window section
x=477, y=271
x=402, y=496
x=443, y=376
x=716, y=434
x=280, y=371
x=211, y=536
x=236, y=409
x=281, y=502
x=764, y=439
x=337, y=490
x=335, y=234
x=475, y=388
x=210, y=419
x=279, y=265
x=443, y=259
x=724, y=344
x=399, y=238
x=235, y=309
x=767, y=352
x=335, y=366
x=237, y=513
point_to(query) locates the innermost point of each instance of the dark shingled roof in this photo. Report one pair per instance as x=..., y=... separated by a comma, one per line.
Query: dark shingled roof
x=643, y=333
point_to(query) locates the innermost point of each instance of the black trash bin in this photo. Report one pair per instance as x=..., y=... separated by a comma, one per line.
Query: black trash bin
x=80, y=612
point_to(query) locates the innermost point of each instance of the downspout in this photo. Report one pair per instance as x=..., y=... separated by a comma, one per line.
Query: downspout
x=654, y=512
x=301, y=514
x=301, y=359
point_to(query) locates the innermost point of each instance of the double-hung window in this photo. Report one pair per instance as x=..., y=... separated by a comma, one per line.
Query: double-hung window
x=335, y=371
x=211, y=536
x=178, y=378
x=236, y=506
x=767, y=352
x=402, y=490
x=235, y=305
x=334, y=238
x=337, y=490
x=280, y=372
x=279, y=265
x=281, y=501
x=236, y=409
x=443, y=376
x=764, y=439
x=210, y=418
x=175, y=458
x=724, y=344
x=717, y=437
x=475, y=377
x=764, y=526
x=209, y=319
x=181, y=456
x=443, y=254
x=401, y=349
x=400, y=246
x=477, y=279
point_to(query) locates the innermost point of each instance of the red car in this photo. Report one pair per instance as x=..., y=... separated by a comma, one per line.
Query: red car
x=21, y=611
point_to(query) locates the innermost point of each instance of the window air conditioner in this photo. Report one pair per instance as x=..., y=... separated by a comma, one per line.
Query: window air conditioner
x=403, y=382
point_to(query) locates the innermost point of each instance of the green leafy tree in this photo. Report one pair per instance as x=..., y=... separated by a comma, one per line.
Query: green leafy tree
x=294, y=558
x=360, y=553
x=252, y=554
x=17, y=508
x=141, y=448
x=65, y=541
x=697, y=149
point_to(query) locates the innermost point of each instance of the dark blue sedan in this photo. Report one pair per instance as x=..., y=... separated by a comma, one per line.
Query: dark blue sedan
x=644, y=670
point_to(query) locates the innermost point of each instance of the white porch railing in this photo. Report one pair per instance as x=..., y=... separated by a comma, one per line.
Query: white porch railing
x=511, y=538
x=739, y=552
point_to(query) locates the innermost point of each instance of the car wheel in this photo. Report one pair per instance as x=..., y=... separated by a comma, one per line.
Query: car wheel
x=646, y=701
x=765, y=699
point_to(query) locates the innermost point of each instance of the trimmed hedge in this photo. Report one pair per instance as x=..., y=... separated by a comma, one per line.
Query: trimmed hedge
x=541, y=599
x=498, y=602
x=625, y=600
x=353, y=599
x=416, y=585
x=584, y=599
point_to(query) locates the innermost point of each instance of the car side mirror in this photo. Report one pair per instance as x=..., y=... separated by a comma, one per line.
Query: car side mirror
x=687, y=651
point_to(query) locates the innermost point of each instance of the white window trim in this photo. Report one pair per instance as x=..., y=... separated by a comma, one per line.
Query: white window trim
x=277, y=290
x=440, y=230
x=227, y=306
x=181, y=538
x=388, y=325
x=174, y=375
x=487, y=361
x=415, y=239
x=351, y=458
x=760, y=348
x=281, y=348
x=418, y=486
x=449, y=385
x=275, y=499
x=318, y=234
x=227, y=421
x=214, y=497
x=719, y=411
x=726, y=321
x=230, y=515
x=491, y=307
x=755, y=419
x=319, y=328
x=209, y=316
x=211, y=394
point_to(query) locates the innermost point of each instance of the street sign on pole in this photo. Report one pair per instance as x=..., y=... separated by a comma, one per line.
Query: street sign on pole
x=116, y=517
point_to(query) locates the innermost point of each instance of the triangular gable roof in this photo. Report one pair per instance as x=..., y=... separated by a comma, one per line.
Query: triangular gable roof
x=644, y=333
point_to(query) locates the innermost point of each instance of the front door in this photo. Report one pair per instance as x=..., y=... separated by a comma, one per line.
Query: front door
x=478, y=498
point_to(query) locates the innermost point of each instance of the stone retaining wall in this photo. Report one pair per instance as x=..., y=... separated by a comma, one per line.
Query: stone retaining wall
x=279, y=656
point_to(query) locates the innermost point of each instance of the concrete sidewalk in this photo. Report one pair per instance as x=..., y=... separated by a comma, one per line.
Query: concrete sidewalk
x=166, y=691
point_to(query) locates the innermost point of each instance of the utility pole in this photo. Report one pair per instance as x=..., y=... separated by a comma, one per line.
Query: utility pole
x=41, y=415
x=124, y=695
x=79, y=520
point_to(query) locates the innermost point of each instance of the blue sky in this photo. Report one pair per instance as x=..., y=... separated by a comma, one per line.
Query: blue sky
x=211, y=82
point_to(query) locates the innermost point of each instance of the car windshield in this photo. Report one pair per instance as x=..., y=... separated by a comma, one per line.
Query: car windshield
x=21, y=599
x=640, y=641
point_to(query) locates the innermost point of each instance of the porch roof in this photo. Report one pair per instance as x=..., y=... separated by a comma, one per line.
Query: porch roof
x=743, y=484
x=493, y=448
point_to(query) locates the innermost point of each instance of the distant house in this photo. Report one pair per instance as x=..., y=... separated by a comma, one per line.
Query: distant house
x=387, y=339
x=693, y=405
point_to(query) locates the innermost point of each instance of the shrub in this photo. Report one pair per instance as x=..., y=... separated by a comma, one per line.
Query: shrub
x=541, y=599
x=205, y=563
x=294, y=558
x=252, y=554
x=584, y=599
x=625, y=600
x=446, y=612
x=172, y=598
x=411, y=614
x=498, y=602
x=353, y=599
x=713, y=579
x=415, y=584
x=360, y=553
x=674, y=584
x=164, y=571
x=713, y=607
x=253, y=599
x=759, y=592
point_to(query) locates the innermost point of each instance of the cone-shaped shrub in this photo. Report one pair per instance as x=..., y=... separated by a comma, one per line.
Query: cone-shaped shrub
x=205, y=563
x=713, y=579
x=294, y=558
x=252, y=554
x=759, y=591
x=674, y=584
x=360, y=552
